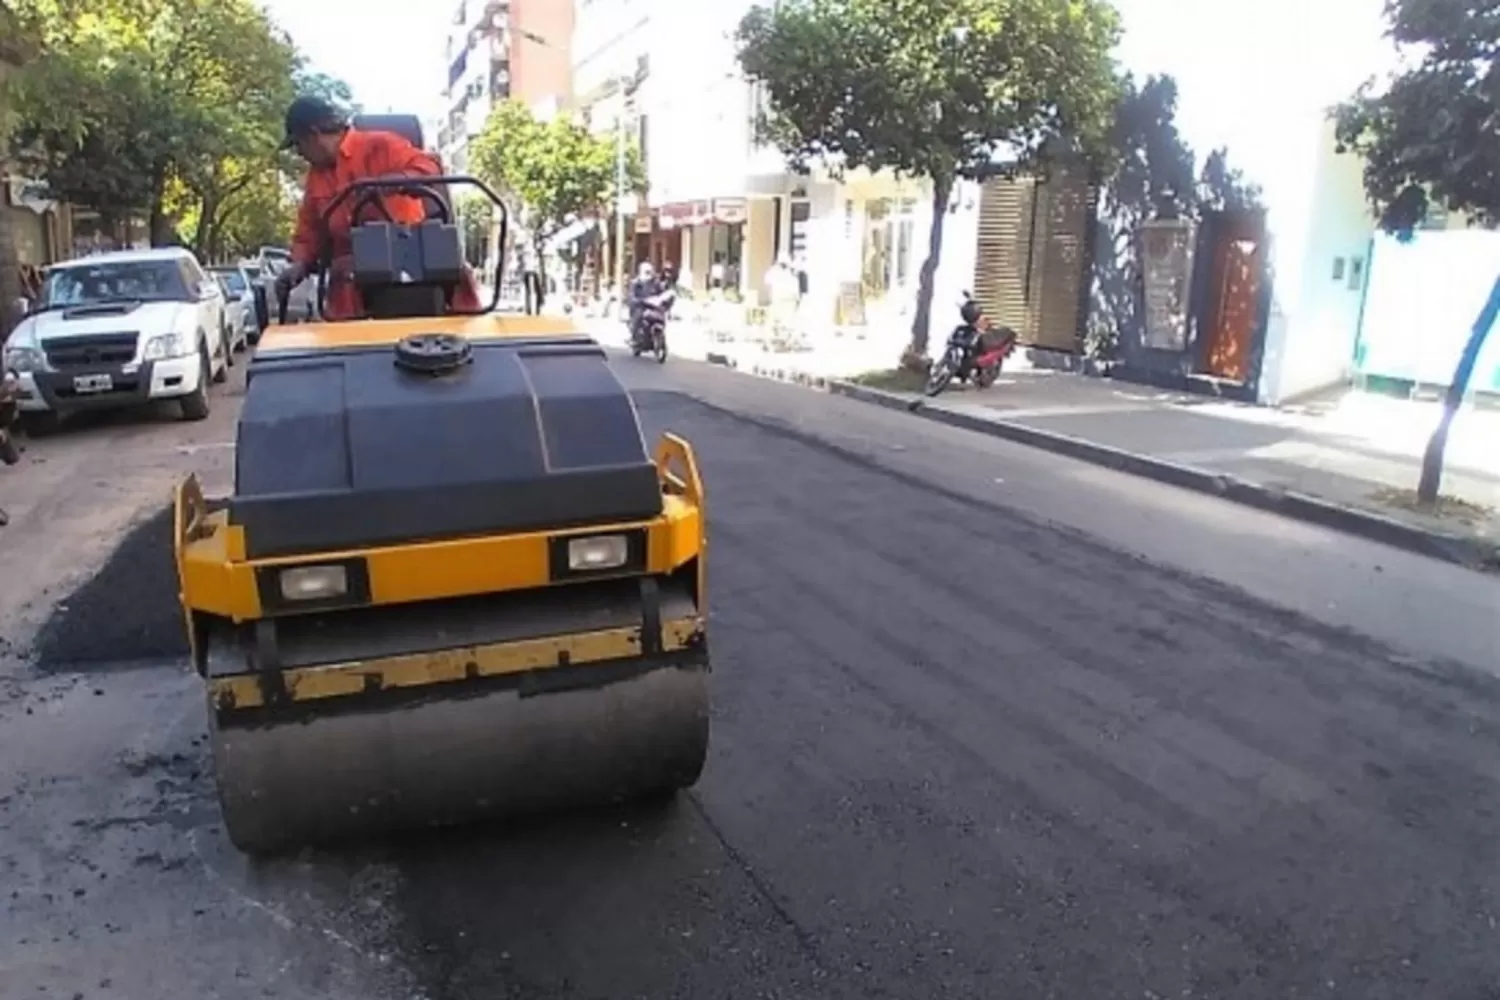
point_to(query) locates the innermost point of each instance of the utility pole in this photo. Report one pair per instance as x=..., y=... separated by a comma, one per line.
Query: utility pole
x=620, y=192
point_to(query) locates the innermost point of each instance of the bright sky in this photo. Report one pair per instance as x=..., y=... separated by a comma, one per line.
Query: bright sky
x=1244, y=66
x=390, y=52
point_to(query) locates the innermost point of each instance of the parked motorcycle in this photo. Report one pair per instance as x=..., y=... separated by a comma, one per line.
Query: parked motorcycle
x=975, y=352
x=650, y=333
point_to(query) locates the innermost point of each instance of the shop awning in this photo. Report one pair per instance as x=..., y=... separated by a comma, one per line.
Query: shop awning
x=572, y=232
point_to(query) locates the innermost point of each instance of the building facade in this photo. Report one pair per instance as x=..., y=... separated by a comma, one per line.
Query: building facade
x=541, y=64
x=478, y=78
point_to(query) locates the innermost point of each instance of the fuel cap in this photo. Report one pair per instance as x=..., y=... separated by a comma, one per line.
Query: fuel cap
x=433, y=353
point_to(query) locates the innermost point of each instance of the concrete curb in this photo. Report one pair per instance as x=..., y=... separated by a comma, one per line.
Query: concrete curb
x=1464, y=551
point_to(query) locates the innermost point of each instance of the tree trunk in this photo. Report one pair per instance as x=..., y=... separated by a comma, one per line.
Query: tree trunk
x=158, y=225
x=204, y=235
x=1432, y=461
x=921, y=323
x=10, y=276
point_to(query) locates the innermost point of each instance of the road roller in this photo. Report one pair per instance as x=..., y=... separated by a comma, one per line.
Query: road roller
x=451, y=582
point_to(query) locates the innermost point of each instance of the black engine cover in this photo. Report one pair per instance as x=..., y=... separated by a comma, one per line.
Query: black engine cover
x=343, y=448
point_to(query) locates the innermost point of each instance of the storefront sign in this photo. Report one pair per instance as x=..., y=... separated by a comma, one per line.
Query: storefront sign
x=686, y=213
x=730, y=211
x=643, y=222
x=23, y=192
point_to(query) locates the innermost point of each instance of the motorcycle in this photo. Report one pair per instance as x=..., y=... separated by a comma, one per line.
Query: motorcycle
x=650, y=334
x=975, y=352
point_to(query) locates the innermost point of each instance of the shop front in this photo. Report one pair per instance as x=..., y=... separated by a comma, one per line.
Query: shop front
x=709, y=238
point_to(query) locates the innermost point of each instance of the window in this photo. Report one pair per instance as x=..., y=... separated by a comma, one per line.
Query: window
x=122, y=281
x=233, y=280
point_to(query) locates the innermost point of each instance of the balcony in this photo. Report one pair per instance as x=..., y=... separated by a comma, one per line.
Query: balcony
x=485, y=16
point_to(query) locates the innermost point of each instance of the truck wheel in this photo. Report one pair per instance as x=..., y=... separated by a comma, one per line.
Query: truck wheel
x=222, y=375
x=195, y=404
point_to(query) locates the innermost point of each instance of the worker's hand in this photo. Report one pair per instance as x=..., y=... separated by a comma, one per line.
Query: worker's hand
x=290, y=278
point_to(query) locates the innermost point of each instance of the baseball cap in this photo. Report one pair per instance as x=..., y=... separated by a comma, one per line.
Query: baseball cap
x=309, y=113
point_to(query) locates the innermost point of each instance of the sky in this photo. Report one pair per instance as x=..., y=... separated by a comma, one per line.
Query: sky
x=1244, y=67
x=390, y=52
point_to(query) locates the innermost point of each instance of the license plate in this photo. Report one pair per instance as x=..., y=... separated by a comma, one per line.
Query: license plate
x=93, y=383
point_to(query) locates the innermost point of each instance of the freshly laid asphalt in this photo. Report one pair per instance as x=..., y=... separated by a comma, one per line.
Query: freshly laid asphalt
x=958, y=751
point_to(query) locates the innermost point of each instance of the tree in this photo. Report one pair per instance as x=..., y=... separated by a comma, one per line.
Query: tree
x=937, y=89
x=1428, y=135
x=18, y=49
x=131, y=95
x=557, y=170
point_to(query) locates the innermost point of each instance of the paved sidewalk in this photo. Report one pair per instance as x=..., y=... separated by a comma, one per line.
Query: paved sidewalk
x=1349, y=459
x=1346, y=452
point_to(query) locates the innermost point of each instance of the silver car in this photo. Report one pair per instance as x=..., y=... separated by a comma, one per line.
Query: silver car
x=302, y=304
x=239, y=309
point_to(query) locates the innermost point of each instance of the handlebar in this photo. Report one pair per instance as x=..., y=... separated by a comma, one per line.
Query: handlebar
x=419, y=186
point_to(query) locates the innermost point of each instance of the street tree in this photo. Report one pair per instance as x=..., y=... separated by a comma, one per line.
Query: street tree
x=132, y=95
x=1428, y=137
x=936, y=89
x=19, y=47
x=557, y=170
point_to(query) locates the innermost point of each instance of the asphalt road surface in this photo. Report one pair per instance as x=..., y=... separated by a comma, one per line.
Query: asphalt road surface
x=989, y=724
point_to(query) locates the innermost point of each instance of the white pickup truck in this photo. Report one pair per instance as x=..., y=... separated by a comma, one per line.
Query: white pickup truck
x=117, y=330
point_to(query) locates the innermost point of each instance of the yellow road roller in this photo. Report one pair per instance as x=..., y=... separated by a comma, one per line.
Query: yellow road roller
x=451, y=582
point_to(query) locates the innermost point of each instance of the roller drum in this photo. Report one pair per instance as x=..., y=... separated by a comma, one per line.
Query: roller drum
x=454, y=759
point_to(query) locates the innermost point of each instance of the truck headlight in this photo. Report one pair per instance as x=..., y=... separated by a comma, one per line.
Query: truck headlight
x=314, y=583
x=167, y=346
x=598, y=552
x=22, y=359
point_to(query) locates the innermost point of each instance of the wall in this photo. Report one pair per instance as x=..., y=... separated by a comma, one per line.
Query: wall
x=698, y=106
x=541, y=55
x=1422, y=301
x=1315, y=348
x=1248, y=84
x=608, y=37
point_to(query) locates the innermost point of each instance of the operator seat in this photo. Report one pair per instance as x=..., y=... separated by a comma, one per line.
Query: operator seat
x=404, y=270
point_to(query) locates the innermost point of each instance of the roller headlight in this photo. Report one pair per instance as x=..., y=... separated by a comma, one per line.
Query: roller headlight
x=314, y=583
x=597, y=553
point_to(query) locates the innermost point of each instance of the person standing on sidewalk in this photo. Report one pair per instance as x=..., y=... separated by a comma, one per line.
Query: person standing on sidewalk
x=531, y=280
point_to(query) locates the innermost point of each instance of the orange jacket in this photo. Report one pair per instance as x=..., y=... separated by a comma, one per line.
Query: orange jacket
x=363, y=156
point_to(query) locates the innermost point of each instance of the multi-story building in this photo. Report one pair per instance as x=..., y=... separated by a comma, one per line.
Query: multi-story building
x=478, y=52
x=721, y=205
x=498, y=50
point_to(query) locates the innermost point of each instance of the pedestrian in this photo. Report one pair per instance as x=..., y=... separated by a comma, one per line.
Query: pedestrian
x=531, y=280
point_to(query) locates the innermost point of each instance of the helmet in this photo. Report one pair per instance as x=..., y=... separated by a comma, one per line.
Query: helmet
x=645, y=270
x=970, y=312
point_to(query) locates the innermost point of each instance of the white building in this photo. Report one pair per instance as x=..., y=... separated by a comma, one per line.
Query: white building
x=478, y=56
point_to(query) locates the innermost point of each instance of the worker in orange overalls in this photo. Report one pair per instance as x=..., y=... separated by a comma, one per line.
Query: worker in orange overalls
x=338, y=155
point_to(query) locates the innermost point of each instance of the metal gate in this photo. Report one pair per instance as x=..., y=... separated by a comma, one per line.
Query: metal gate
x=1030, y=269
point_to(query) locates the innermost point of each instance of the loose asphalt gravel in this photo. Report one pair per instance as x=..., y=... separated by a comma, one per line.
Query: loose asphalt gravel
x=957, y=752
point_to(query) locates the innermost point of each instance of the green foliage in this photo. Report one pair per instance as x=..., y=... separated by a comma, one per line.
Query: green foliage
x=1428, y=135
x=556, y=169
x=170, y=108
x=933, y=88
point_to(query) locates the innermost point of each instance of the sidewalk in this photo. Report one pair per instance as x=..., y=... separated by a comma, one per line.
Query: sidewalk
x=1347, y=459
x=1350, y=460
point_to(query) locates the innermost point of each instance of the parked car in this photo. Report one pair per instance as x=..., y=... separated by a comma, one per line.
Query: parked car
x=239, y=294
x=302, y=304
x=120, y=329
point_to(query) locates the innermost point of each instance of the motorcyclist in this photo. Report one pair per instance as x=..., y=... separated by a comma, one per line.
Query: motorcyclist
x=337, y=156
x=646, y=286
